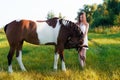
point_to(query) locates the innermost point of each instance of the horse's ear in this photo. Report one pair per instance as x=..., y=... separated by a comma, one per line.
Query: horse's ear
x=60, y=21
x=72, y=24
x=64, y=22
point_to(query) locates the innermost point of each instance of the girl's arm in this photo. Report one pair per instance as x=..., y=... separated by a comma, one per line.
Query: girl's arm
x=87, y=28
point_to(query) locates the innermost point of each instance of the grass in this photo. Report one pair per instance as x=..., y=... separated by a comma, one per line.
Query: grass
x=103, y=61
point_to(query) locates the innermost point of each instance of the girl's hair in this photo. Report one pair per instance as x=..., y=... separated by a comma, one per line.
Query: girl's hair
x=84, y=18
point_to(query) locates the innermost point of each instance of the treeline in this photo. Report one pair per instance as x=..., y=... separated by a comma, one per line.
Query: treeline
x=106, y=14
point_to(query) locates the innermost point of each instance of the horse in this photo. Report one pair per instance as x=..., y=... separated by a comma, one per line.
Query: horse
x=61, y=33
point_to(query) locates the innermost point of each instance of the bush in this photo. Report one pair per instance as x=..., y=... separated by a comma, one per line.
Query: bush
x=117, y=20
x=106, y=29
x=1, y=30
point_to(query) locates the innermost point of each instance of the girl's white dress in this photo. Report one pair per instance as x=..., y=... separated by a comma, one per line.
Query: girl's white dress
x=83, y=29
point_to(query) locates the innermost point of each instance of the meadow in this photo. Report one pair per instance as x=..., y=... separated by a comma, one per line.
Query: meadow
x=102, y=63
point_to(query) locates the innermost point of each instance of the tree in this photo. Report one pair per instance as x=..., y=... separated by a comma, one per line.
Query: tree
x=50, y=15
x=60, y=16
x=113, y=6
x=114, y=9
x=104, y=14
x=101, y=16
x=117, y=20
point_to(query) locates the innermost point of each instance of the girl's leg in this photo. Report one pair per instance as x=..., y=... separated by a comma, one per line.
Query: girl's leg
x=82, y=57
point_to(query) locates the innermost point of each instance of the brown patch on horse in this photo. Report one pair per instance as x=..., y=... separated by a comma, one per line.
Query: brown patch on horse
x=52, y=22
x=31, y=36
x=24, y=30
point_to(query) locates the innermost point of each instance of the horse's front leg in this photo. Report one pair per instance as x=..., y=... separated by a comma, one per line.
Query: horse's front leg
x=63, y=61
x=61, y=53
x=56, y=57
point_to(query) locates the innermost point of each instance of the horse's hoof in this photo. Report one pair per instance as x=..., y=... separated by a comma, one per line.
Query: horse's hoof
x=64, y=70
x=24, y=70
x=54, y=70
x=10, y=71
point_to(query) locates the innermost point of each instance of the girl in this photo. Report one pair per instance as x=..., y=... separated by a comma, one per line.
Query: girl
x=84, y=26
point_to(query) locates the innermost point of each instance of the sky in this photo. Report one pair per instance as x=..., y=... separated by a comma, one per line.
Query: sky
x=38, y=9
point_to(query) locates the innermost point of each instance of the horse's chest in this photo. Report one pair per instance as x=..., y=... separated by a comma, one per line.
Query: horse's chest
x=47, y=33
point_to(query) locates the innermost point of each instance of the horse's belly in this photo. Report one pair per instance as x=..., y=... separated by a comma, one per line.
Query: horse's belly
x=47, y=34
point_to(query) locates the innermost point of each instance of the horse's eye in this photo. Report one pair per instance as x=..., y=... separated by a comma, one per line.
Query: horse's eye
x=69, y=38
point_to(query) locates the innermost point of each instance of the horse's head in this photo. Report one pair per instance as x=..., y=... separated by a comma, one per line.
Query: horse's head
x=75, y=37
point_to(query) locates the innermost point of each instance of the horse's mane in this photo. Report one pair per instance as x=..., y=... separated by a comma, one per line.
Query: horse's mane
x=63, y=22
x=70, y=24
x=67, y=23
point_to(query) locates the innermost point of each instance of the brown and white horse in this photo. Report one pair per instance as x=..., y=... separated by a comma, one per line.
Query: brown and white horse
x=62, y=33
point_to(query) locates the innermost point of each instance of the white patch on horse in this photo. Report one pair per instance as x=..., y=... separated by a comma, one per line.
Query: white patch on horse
x=19, y=59
x=63, y=66
x=47, y=33
x=18, y=20
x=65, y=22
x=56, y=57
x=10, y=69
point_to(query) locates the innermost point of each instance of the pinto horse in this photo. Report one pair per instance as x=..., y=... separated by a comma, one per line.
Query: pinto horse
x=62, y=33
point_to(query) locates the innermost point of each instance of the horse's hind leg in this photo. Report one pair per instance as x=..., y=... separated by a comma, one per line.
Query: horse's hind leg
x=19, y=55
x=56, y=57
x=10, y=55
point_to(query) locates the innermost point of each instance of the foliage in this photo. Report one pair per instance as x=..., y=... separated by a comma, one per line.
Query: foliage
x=117, y=19
x=106, y=29
x=102, y=61
x=50, y=15
x=60, y=16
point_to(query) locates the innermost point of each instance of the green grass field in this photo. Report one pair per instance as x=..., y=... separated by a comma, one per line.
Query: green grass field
x=103, y=61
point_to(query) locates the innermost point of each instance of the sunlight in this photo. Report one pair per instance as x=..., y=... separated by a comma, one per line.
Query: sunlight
x=107, y=41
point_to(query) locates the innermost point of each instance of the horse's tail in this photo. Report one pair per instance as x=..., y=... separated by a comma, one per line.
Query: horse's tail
x=5, y=28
